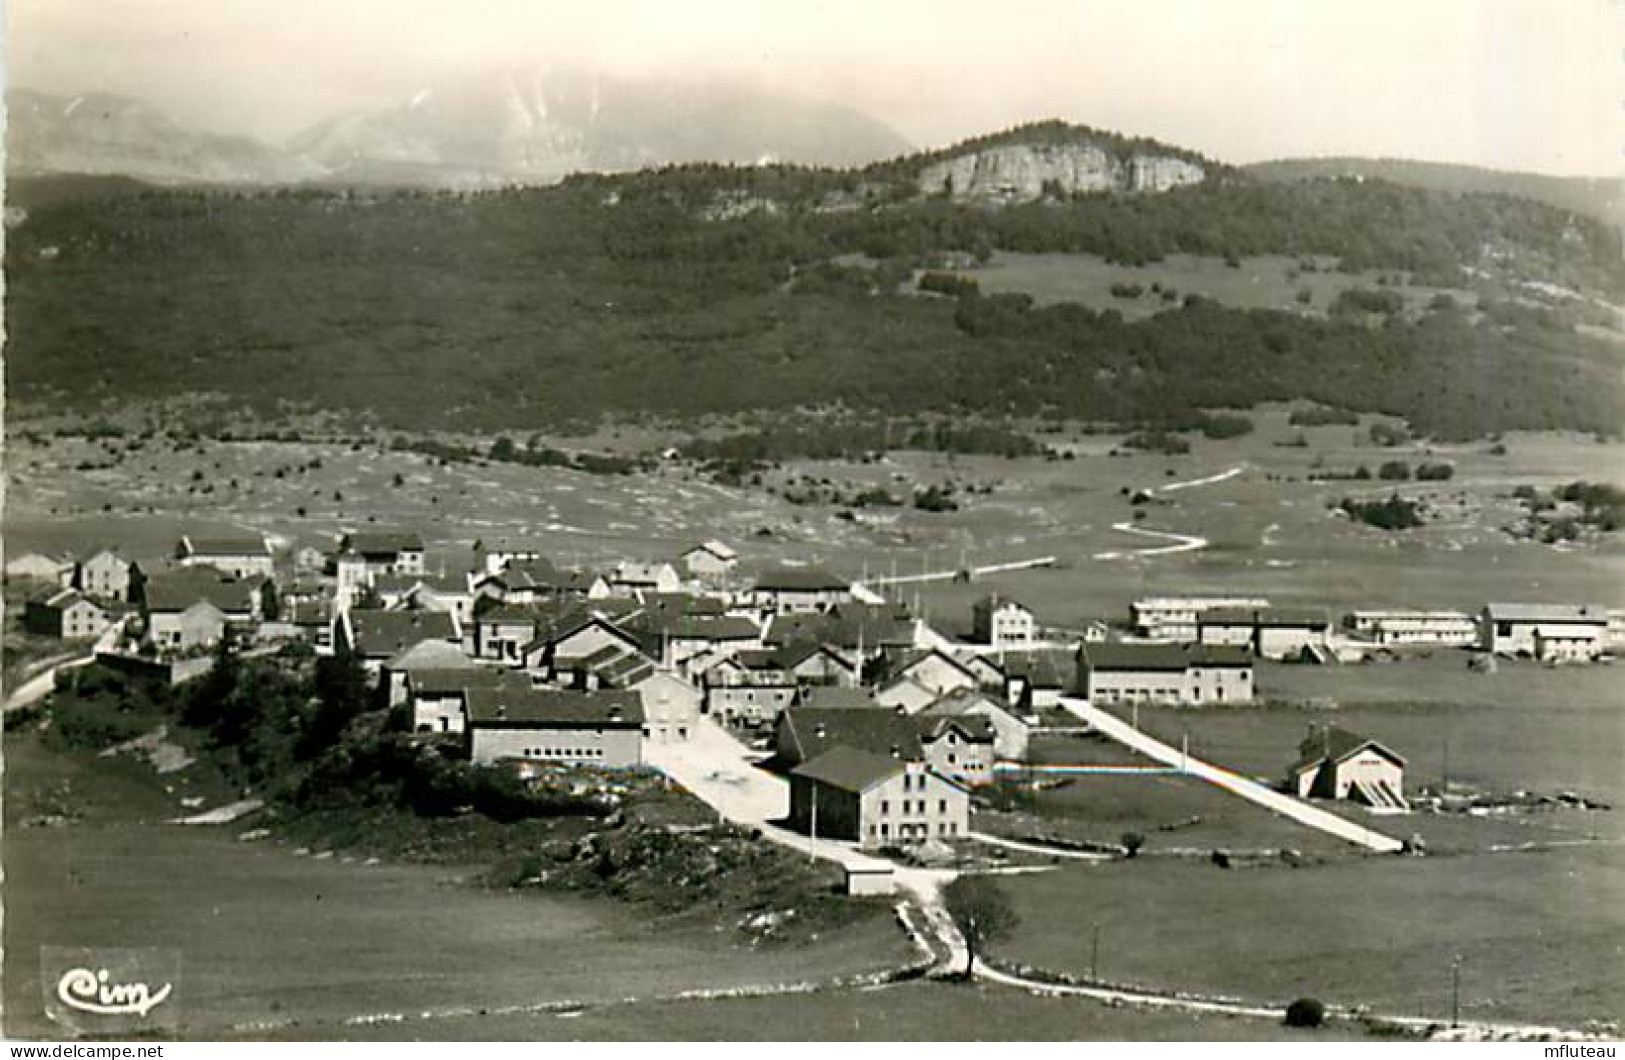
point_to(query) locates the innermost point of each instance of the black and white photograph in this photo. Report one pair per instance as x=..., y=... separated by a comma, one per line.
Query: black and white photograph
x=848, y=520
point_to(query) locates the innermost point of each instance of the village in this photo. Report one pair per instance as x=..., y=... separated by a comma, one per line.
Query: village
x=825, y=704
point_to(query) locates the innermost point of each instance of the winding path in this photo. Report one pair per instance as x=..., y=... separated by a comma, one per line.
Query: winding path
x=1181, y=542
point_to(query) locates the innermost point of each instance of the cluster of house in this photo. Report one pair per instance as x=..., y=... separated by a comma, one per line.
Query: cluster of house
x=882, y=724
x=1551, y=633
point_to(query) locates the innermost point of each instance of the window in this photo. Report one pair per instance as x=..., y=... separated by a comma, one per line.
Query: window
x=942, y=805
x=885, y=806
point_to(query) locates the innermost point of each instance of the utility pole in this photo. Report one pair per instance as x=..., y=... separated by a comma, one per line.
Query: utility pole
x=1094, y=955
x=1184, y=751
x=1455, y=991
x=1444, y=786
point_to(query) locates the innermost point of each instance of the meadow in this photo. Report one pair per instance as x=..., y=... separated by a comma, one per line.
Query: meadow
x=269, y=935
x=1540, y=937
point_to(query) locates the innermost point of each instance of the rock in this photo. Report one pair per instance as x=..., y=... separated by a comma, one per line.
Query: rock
x=1016, y=173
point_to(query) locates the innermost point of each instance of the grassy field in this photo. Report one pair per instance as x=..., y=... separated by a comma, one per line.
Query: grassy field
x=1264, y=282
x=1523, y=728
x=1177, y=815
x=268, y=935
x=1269, y=529
x=1541, y=937
x=917, y=1011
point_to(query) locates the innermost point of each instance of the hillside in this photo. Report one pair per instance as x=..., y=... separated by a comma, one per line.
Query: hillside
x=1602, y=198
x=716, y=289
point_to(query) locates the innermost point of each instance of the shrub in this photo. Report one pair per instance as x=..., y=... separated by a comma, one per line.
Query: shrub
x=1132, y=842
x=1435, y=472
x=1394, y=471
x=1323, y=416
x=1226, y=425
x=1305, y=1012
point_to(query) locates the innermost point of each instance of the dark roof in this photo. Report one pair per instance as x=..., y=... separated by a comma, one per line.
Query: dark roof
x=443, y=680
x=59, y=598
x=800, y=579
x=685, y=604
x=849, y=768
x=387, y=633
x=226, y=545
x=1263, y=616
x=1109, y=657
x=522, y=706
x=847, y=625
x=178, y=589
x=960, y=700
x=306, y=612
x=806, y=732
x=972, y=727
x=1219, y=655
x=1337, y=745
x=404, y=583
x=993, y=601
x=430, y=655
x=656, y=625
x=838, y=697
x=1041, y=669
x=381, y=542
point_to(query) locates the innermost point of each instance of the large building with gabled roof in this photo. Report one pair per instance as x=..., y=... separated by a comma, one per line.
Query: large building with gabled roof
x=875, y=800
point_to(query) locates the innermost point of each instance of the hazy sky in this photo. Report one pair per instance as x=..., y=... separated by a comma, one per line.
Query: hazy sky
x=1528, y=84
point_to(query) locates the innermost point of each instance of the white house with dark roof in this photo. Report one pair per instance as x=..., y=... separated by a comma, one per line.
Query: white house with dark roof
x=710, y=561
x=875, y=800
x=385, y=551
x=1268, y=632
x=513, y=720
x=244, y=555
x=1164, y=673
x=67, y=614
x=1548, y=632
x=107, y=575
x=375, y=636
x=1003, y=624
x=1011, y=732
x=1336, y=764
x=633, y=578
x=790, y=590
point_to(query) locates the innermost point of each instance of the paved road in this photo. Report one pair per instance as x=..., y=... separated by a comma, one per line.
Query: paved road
x=717, y=769
x=1251, y=790
x=36, y=687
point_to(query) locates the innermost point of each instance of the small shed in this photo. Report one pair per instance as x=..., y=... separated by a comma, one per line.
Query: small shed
x=1336, y=764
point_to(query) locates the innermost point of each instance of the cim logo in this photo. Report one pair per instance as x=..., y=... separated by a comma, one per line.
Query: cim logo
x=90, y=991
x=102, y=991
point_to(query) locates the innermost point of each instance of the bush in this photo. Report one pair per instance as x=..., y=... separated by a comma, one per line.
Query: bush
x=1305, y=1012
x=1394, y=471
x=1323, y=416
x=1226, y=425
x=1435, y=472
x=1395, y=513
x=1157, y=442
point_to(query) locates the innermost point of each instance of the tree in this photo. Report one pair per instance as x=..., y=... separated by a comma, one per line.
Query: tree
x=981, y=912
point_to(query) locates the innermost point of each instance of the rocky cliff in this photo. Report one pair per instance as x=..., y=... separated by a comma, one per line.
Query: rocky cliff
x=1013, y=173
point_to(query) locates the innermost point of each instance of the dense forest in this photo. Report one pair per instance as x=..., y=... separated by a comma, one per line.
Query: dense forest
x=625, y=296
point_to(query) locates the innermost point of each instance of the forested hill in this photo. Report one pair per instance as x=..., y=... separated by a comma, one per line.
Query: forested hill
x=707, y=289
x=1600, y=197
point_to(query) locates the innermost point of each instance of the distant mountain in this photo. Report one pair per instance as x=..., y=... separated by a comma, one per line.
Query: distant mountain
x=1599, y=197
x=531, y=127
x=98, y=134
x=537, y=126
